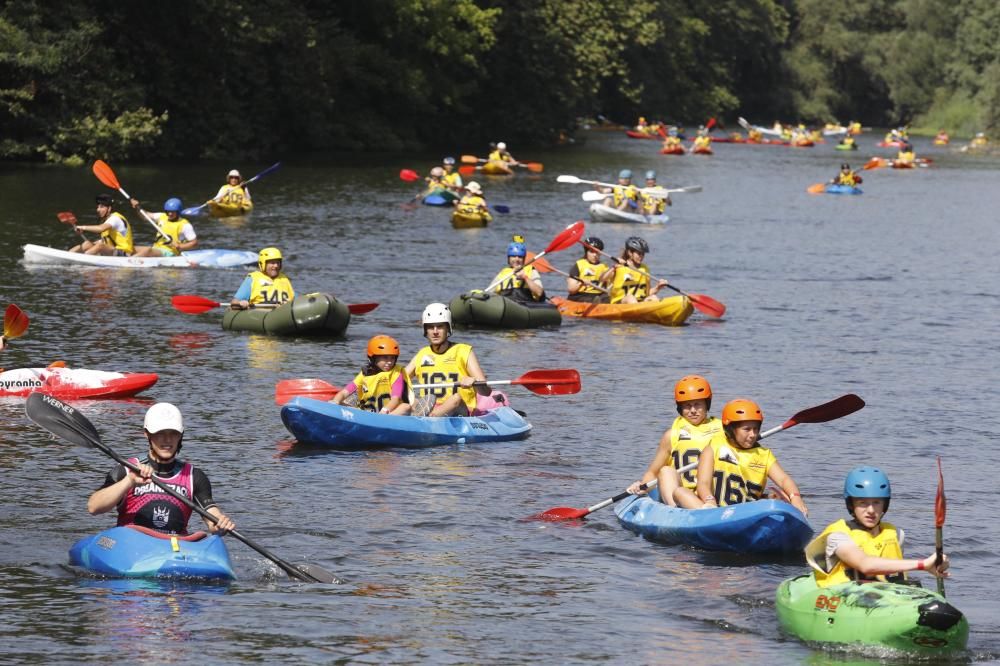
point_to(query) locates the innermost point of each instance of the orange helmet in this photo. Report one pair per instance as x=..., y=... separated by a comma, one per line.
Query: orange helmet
x=741, y=409
x=383, y=345
x=692, y=387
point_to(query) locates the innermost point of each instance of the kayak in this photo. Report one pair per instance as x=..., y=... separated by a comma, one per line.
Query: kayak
x=763, y=527
x=440, y=198
x=350, y=429
x=470, y=220
x=889, y=144
x=218, y=209
x=673, y=150
x=846, y=146
x=843, y=189
x=74, y=383
x=495, y=168
x=601, y=213
x=702, y=150
x=636, y=134
x=804, y=143
x=670, y=311
x=139, y=552
x=478, y=308
x=37, y=254
x=884, y=615
x=312, y=314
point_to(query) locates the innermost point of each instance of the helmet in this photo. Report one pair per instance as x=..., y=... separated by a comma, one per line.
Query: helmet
x=594, y=241
x=741, y=409
x=642, y=119
x=845, y=165
x=650, y=175
x=266, y=255
x=867, y=482
x=501, y=145
x=625, y=173
x=692, y=387
x=103, y=199
x=448, y=160
x=163, y=416
x=436, y=313
x=437, y=172
x=637, y=244
x=474, y=187
x=516, y=249
x=383, y=345
x=173, y=205
x=234, y=174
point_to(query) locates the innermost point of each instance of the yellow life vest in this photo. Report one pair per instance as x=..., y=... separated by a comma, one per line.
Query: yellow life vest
x=125, y=242
x=265, y=290
x=621, y=193
x=508, y=284
x=589, y=273
x=740, y=474
x=453, y=179
x=172, y=229
x=233, y=195
x=885, y=544
x=702, y=142
x=849, y=179
x=451, y=366
x=629, y=281
x=687, y=441
x=906, y=157
x=375, y=391
x=471, y=204
x=653, y=205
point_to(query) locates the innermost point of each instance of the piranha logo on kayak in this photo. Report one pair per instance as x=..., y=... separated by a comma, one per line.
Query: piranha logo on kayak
x=15, y=384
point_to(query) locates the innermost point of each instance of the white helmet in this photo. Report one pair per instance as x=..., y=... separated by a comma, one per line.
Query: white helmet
x=501, y=145
x=474, y=187
x=163, y=416
x=234, y=174
x=437, y=172
x=436, y=313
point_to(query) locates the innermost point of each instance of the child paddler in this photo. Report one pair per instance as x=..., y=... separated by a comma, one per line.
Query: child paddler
x=736, y=470
x=847, y=176
x=381, y=385
x=266, y=285
x=443, y=361
x=517, y=281
x=865, y=548
x=684, y=441
x=584, y=276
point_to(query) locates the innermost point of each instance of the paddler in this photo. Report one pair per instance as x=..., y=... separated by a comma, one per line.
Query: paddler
x=451, y=178
x=583, y=283
x=653, y=198
x=267, y=284
x=684, y=440
x=501, y=154
x=702, y=142
x=473, y=202
x=116, y=233
x=865, y=548
x=736, y=470
x=629, y=278
x=141, y=502
x=180, y=235
x=848, y=142
x=381, y=385
x=846, y=177
x=443, y=361
x=232, y=194
x=517, y=281
x=624, y=195
x=672, y=141
x=435, y=181
x=906, y=154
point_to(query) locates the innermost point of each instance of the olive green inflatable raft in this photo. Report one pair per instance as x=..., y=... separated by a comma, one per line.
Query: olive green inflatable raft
x=312, y=314
x=477, y=308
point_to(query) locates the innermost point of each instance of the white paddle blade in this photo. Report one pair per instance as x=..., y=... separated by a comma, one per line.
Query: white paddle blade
x=593, y=196
x=569, y=179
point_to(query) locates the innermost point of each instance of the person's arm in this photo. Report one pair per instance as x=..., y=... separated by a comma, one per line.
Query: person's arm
x=475, y=375
x=661, y=458
x=787, y=486
x=343, y=393
x=241, y=299
x=203, y=498
x=706, y=472
x=533, y=282
x=869, y=566
x=188, y=238
x=111, y=495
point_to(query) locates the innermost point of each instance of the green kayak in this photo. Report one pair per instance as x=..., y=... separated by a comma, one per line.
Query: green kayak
x=312, y=314
x=906, y=618
x=477, y=308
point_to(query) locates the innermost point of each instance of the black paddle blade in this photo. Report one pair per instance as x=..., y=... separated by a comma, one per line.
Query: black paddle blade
x=61, y=420
x=316, y=574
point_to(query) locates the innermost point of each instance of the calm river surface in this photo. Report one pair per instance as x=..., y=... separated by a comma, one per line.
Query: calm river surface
x=889, y=295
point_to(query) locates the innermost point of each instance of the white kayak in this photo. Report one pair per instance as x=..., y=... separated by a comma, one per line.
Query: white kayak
x=37, y=254
x=601, y=213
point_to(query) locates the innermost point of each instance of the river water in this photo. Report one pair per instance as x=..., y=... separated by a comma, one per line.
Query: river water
x=889, y=295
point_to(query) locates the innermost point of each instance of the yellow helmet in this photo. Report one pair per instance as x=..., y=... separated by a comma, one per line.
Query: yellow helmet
x=266, y=255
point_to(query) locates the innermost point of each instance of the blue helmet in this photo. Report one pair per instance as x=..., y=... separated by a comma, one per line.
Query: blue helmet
x=449, y=160
x=516, y=249
x=650, y=175
x=867, y=482
x=625, y=173
x=173, y=205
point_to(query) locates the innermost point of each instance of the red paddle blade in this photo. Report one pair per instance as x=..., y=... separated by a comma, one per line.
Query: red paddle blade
x=561, y=513
x=361, y=308
x=469, y=159
x=409, y=175
x=835, y=409
x=707, y=305
x=317, y=389
x=15, y=322
x=66, y=217
x=536, y=167
x=710, y=124
x=940, y=503
x=193, y=304
x=106, y=175
x=567, y=237
x=466, y=170
x=817, y=188
x=550, y=382
x=542, y=265
x=874, y=163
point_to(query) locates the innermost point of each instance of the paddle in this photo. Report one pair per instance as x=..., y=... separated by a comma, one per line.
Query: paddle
x=544, y=266
x=828, y=411
x=701, y=302
x=593, y=195
x=940, y=507
x=317, y=389
x=274, y=167
x=409, y=175
x=690, y=189
x=191, y=304
x=564, y=239
x=107, y=176
x=763, y=130
x=542, y=382
x=537, y=167
x=466, y=170
x=67, y=217
x=817, y=188
x=63, y=421
x=15, y=322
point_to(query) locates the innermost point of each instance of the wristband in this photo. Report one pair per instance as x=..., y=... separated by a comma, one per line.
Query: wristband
x=794, y=495
x=920, y=565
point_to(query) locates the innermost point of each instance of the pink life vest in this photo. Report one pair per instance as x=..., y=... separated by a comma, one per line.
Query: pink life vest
x=159, y=511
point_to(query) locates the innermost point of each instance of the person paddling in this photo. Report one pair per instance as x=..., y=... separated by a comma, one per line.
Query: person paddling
x=502, y=155
x=629, y=278
x=381, y=385
x=451, y=178
x=585, y=275
x=653, y=202
x=116, y=233
x=624, y=195
x=473, y=202
x=232, y=194
x=180, y=235
x=517, y=281
x=865, y=548
x=141, y=502
x=443, y=361
x=266, y=285
x=846, y=177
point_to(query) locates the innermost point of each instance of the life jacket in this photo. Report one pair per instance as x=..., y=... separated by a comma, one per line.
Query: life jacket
x=235, y=196
x=499, y=156
x=687, y=442
x=652, y=204
x=263, y=289
x=849, y=179
x=149, y=506
x=112, y=237
x=885, y=544
x=375, y=391
x=450, y=366
x=171, y=228
x=629, y=281
x=471, y=204
x=740, y=474
x=589, y=273
x=623, y=192
x=452, y=180
x=511, y=286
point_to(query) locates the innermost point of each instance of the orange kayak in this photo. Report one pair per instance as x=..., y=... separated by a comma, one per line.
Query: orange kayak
x=671, y=311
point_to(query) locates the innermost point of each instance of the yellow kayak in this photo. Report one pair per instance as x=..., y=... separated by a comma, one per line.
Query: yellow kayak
x=671, y=311
x=461, y=220
x=497, y=169
x=217, y=209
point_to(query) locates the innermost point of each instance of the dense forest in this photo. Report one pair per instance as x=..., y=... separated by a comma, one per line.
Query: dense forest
x=214, y=78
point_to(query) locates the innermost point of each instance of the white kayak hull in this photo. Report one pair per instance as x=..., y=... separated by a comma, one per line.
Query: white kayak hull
x=39, y=255
x=601, y=213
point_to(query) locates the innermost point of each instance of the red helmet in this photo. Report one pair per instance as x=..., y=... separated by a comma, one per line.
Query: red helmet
x=692, y=387
x=741, y=409
x=383, y=345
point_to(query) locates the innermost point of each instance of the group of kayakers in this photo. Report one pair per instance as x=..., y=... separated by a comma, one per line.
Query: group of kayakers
x=650, y=199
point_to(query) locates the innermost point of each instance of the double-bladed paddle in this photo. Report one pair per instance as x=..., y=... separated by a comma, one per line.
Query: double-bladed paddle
x=543, y=266
x=662, y=192
x=652, y=191
x=940, y=508
x=15, y=322
x=67, y=217
x=107, y=176
x=542, y=382
x=191, y=304
x=409, y=175
x=64, y=421
x=537, y=167
x=564, y=239
x=197, y=210
x=828, y=411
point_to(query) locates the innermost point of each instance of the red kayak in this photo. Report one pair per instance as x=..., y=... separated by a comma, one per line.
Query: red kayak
x=673, y=150
x=635, y=134
x=74, y=383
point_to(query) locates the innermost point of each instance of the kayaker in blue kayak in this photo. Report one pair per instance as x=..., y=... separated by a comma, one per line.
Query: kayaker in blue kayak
x=443, y=361
x=267, y=284
x=653, y=203
x=683, y=442
x=865, y=548
x=737, y=470
x=141, y=502
x=180, y=235
x=381, y=385
x=629, y=277
x=847, y=176
x=583, y=283
x=451, y=178
x=624, y=195
x=116, y=233
x=517, y=281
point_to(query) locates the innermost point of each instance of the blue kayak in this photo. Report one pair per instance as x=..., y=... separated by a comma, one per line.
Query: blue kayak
x=762, y=527
x=325, y=424
x=843, y=189
x=440, y=198
x=138, y=552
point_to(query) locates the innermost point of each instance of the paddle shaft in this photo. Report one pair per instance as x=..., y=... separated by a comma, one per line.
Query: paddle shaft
x=646, y=486
x=591, y=284
x=568, y=236
x=273, y=167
